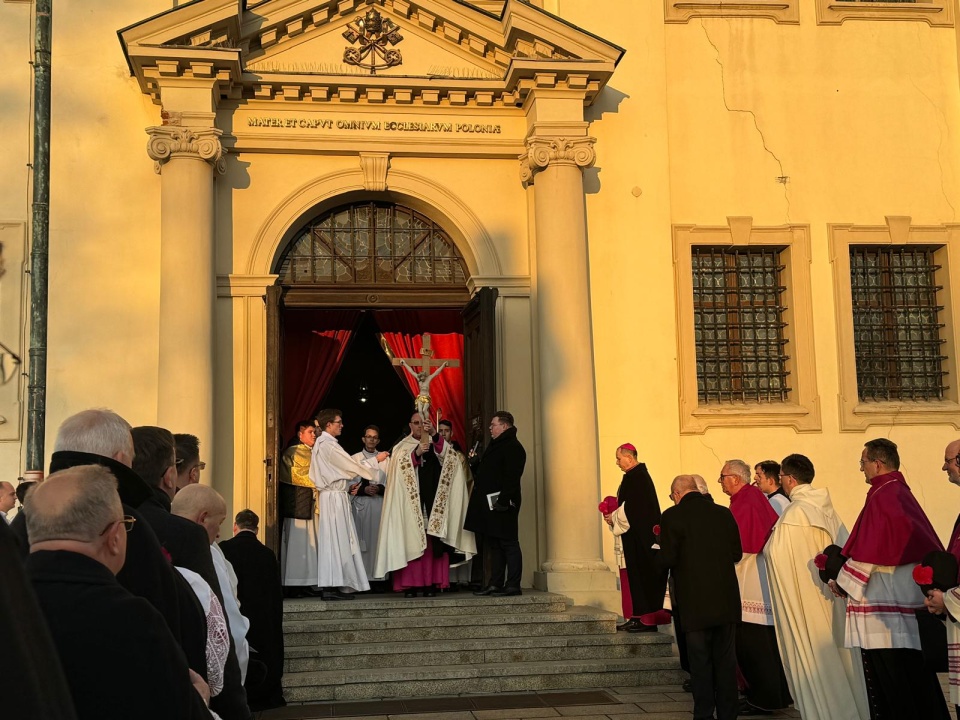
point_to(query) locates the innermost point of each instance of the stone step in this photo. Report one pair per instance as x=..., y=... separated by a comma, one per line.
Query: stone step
x=433, y=680
x=459, y=604
x=574, y=621
x=470, y=652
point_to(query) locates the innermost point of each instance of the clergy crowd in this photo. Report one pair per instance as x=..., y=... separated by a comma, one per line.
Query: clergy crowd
x=422, y=517
x=775, y=603
x=117, y=599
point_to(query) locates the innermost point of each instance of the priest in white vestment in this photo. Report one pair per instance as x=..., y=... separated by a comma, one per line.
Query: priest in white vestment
x=411, y=524
x=825, y=678
x=339, y=562
x=367, y=500
x=298, y=557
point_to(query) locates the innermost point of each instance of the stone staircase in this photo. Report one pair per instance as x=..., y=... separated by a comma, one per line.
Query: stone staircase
x=385, y=646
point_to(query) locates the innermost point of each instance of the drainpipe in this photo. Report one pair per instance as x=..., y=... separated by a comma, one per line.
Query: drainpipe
x=40, y=239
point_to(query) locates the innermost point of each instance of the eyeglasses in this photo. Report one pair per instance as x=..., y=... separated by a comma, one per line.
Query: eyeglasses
x=863, y=462
x=371, y=437
x=722, y=476
x=954, y=460
x=782, y=476
x=128, y=523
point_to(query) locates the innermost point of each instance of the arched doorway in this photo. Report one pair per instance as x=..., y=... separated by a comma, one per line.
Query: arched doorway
x=357, y=285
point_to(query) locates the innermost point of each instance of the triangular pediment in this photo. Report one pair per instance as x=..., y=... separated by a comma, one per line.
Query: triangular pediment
x=442, y=50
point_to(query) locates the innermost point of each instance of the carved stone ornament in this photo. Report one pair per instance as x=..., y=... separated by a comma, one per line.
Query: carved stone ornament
x=168, y=141
x=543, y=152
x=373, y=33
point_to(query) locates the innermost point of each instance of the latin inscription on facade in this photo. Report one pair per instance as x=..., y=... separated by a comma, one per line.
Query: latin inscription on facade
x=388, y=126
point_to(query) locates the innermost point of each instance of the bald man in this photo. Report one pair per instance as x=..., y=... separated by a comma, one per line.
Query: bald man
x=700, y=546
x=205, y=506
x=8, y=498
x=118, y=654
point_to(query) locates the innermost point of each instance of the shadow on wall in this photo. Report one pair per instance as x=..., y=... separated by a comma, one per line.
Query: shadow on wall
x=608, y=101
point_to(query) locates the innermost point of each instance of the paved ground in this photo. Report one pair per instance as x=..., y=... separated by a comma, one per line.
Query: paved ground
x=666, y=702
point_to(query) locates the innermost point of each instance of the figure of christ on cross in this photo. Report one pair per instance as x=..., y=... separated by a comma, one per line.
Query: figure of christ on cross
x=424, y=377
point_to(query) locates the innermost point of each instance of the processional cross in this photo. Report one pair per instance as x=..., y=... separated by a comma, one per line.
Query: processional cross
x=424, y=377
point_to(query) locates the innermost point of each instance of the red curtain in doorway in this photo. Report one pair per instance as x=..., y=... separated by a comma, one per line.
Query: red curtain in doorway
x=401, y=330
x=313, y=348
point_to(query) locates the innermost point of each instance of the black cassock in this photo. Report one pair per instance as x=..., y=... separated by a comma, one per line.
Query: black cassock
x=647, y=583
x=261, y=602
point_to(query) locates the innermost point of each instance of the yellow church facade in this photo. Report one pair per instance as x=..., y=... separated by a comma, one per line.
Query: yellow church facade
x=713, y=230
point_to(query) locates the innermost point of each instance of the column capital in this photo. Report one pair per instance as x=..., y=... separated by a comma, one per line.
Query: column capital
x=170, y=141
x=543, y=152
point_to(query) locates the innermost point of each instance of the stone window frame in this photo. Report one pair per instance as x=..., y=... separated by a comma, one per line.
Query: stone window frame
x=802, y=412
x=856, y=415
x=937, y=13
x=780, y=11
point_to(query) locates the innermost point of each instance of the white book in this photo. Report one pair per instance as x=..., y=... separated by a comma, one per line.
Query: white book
x=492, y=499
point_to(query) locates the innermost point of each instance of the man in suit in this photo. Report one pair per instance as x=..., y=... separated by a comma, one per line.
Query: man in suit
x=261, y=601
x=700, y=546
x=117, y=653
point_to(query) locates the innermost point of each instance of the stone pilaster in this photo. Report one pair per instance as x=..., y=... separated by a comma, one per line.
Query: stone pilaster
x=186, y=158
x=554, y=164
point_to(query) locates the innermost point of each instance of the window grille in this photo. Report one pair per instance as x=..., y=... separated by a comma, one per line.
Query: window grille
x=896, y=329
x=372, y=243
x=738, y=324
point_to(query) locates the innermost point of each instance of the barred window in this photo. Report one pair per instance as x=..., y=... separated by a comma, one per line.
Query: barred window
x=372, y=243
x=897, y=334
x=739, y=329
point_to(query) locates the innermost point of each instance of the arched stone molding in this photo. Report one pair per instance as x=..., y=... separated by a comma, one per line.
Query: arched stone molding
x=416, y=191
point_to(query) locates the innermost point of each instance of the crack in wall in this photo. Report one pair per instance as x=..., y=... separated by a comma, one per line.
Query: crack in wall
x=939, y=111
x=782, y=177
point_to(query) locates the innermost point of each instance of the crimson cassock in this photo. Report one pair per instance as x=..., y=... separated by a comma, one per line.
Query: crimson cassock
x=757, y=652
x=885, y=610
x=638, y=498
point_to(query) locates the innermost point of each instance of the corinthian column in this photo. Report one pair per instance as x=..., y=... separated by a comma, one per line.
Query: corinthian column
x=186, y=157
x=568, y=404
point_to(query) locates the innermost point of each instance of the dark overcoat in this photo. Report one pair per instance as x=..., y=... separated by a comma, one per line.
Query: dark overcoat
x=499, y=469
x=700, y=546
x=118, y=655
x=648, y=582
x=261, y=602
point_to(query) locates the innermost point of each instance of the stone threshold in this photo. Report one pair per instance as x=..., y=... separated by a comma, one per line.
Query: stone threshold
x=401, y=706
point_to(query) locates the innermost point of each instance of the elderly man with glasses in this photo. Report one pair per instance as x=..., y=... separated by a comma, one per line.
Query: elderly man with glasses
x=757, y=653
x=117, y=653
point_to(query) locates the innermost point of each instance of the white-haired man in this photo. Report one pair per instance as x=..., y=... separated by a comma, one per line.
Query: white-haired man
x=757, y=653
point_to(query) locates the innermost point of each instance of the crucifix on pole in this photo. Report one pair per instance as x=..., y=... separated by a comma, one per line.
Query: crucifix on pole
x=423, y=376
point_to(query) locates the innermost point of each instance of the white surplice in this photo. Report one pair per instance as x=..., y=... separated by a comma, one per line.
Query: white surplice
x=298, y=556
x=367, y=510
x=231, y=605
x=951, y=601
x=218, y=634
x=403, y=528
x=339, y=562
x=825, y=678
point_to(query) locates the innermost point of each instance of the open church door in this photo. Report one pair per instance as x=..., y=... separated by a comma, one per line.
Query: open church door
x=480, y=363
x=274, y=444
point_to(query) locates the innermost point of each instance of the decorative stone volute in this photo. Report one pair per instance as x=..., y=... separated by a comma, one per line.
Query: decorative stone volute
x=169, y=141
x=545, y=151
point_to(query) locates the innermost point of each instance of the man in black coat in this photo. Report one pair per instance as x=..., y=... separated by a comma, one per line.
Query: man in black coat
x=101, y=437
x=187, y=544
x=117, y=653
x=496, y=519
x=700, y=546
x=638, y=499
x=261, y=601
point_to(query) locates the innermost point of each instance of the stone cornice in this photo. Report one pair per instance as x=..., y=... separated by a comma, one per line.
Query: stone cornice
x=542, y=152
x=522, y=49
x=172, y=141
